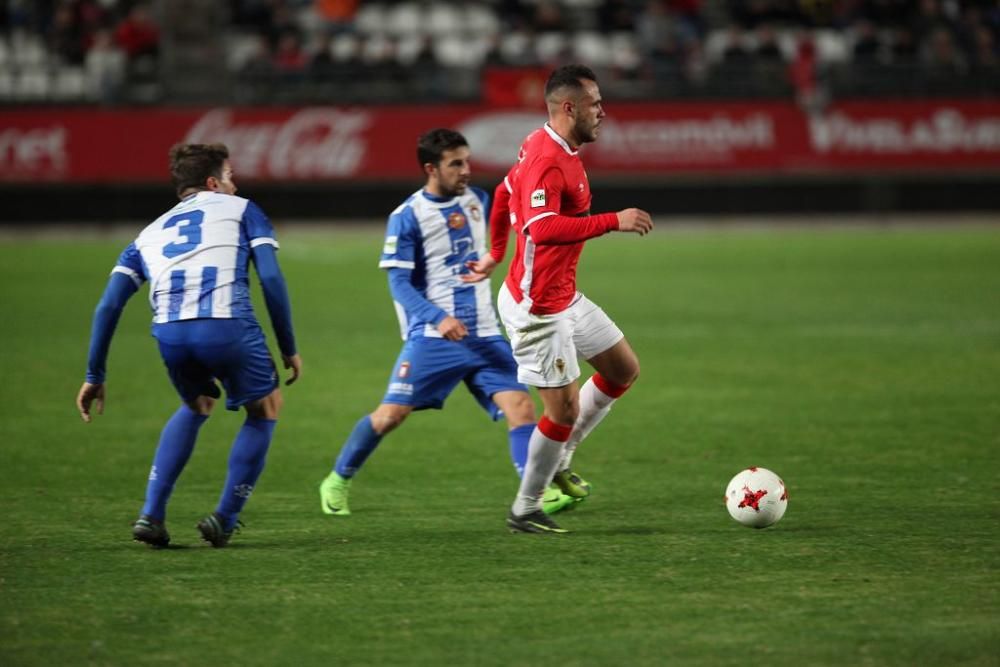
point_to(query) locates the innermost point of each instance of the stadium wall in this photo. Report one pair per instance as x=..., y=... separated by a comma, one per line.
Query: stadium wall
x=671, y=158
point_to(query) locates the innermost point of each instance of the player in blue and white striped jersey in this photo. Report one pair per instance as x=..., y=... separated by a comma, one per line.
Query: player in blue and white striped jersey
x=450, y=329
x=196, y=258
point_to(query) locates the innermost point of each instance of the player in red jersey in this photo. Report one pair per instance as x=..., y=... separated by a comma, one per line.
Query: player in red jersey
x=546, y=199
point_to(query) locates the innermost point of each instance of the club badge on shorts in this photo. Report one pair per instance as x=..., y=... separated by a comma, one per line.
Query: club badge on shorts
x=404, y=369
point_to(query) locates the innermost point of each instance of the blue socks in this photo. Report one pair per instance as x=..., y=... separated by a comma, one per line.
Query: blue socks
x=360, y=444
x=176, y=444
x=246, y=462
x=519, y=438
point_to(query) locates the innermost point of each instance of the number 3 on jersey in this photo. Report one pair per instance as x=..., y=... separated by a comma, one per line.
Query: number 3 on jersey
x=189, y=227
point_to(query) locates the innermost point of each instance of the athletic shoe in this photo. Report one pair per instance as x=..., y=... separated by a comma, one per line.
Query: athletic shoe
x=212, y=531
x=555, y=500
x=572, y=484
x=535, y=522
x=151, y=531
x=333, y=495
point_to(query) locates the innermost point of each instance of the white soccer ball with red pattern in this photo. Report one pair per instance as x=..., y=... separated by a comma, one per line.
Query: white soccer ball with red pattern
x=756, y=497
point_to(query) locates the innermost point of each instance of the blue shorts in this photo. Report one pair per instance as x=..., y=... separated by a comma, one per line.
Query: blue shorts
x=233, y=351
x=428, y=369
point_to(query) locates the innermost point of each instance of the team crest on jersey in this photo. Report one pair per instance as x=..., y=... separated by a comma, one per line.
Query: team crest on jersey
x=476, y=215
x=456, y=220
x=538, y=199
x=404, y=369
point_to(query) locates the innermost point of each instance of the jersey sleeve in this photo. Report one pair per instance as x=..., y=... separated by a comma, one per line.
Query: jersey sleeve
x=539, y=191
x=402, y=236
x=258, y=226
x=130, y=264
x=500, y=220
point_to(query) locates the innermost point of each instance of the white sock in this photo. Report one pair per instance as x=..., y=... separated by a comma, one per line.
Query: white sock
x=544, y=454
x=594, y=406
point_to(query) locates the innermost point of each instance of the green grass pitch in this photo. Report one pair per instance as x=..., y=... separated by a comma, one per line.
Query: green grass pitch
x=862, y=365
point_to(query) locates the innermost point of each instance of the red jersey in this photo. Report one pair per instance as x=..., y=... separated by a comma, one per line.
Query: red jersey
x=548, y=197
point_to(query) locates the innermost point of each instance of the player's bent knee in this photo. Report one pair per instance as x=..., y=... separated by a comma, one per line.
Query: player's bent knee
x=268, y=407
x=202, y=405
x=517, y=406
x=564, y=414
x=389, y=416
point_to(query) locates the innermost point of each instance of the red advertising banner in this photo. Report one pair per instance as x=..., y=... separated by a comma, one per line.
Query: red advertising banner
x=378, y=143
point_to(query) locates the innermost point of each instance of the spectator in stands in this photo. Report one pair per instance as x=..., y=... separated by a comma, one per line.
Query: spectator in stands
x=549, y=17
x=690, y=23
x=984, y=52
x=735, y=53
x=767, y=50
x=290, y=58
x=616, y=16
x=805, y=76
x=337, y=15
x=904, y=46
x=105, y=68
x=657, y=32
x=941, y=57
x=867, y=48
x=259, y=65
x=138, y=35
x=65, y=36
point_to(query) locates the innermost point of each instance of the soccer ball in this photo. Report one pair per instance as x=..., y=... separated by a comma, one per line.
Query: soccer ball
x=756, y=497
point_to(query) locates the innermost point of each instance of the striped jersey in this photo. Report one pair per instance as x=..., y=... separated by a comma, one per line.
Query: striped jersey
x=196, y=257
x=434, y=237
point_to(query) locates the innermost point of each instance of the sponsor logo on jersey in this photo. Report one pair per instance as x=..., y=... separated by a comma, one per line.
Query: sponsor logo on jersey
x=404, y=369
x=456, y=220
x=390, y=245
x=476, y=214
x=538, y=199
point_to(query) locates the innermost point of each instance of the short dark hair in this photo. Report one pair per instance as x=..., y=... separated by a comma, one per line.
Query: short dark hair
x=569, y=76
x=433, y=143
x=192, y=164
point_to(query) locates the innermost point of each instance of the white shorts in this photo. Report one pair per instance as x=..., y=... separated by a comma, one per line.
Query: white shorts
x=546, y=347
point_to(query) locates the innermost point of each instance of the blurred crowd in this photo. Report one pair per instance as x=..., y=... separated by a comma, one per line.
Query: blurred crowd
x=69, y=50
x=406, y=49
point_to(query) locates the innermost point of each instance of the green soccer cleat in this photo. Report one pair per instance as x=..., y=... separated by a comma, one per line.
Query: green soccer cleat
x=150, y=531
x=535, y=522
x=555, y=500
x=333, y=495
x=212, y=531
x=572, y=484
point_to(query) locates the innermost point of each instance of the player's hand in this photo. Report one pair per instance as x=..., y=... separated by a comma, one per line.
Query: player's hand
x=480, y=268
x=634, y=220
x=88, y=394
x=293, y=362
x=452, y=328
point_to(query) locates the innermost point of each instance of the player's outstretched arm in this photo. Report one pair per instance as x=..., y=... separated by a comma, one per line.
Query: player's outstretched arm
x=634, y=220
x=88, y=394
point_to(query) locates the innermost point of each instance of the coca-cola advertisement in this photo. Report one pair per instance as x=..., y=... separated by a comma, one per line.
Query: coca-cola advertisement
x=378, y=143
